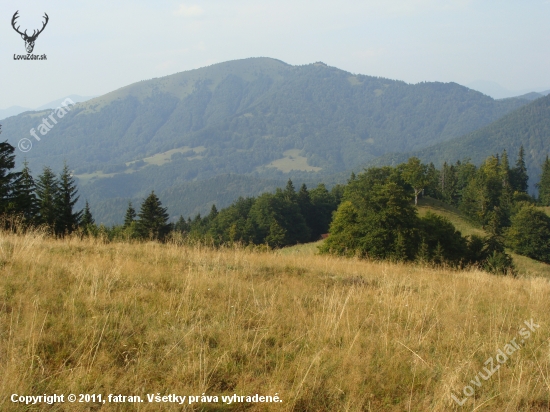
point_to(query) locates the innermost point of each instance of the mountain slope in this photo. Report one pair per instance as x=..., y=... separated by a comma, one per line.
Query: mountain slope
x=528, y=126
x=260, y=117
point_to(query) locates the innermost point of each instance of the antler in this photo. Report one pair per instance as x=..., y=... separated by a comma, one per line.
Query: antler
x=35, y=35
x=15, y=17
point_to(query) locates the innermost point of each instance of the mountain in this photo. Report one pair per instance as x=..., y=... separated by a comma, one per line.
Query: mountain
x=531, y=96
x=496, y=91
x=12, y=111
x=528, y=126
x=258, y=117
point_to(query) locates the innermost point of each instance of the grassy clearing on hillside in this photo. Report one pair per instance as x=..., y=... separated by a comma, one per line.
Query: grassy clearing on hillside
x=293, y=161
x=524, y=265
x=466, y=227
x=325, y=334
x=158, y=159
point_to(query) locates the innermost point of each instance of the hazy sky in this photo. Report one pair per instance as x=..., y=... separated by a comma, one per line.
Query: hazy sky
x=94, y=47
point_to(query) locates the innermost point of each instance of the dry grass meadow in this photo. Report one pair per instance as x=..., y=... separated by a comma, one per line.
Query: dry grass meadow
x=325, y=334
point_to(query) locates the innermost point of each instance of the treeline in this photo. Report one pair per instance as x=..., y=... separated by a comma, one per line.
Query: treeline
x=495, y=195
x=48, y=201
x=278, y=219
x=373, y=216
x=377, y=220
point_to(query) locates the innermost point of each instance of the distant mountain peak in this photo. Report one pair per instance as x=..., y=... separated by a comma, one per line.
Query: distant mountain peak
x=256, y=117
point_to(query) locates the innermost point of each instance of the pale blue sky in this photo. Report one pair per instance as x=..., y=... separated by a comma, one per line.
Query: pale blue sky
x=96, y=46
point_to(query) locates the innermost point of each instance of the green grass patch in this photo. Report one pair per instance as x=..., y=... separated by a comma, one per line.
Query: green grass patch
x=306, y=249
x=461, y=222
x=293, y=161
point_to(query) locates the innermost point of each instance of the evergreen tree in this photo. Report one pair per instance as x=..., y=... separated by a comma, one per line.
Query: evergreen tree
x=87, y=218
x=465, y=172
x=400, y=249
x=519, y=173
x=323, y=204
x=307, y=210
x=448, y=181
x=432, y=186
x=130, y=216
x=504, y=169
x=182, y=225
x=544, y=184
x=26, y=201
x=153, y=219
x=277, y=235
x=67, y=195
x=423, y=254
x=7, y=178
x=47, y=194
x=285, y=211
x=213, y=213
x=290, y=192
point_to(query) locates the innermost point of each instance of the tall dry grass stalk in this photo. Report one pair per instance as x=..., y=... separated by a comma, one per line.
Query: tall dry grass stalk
x=326, y=334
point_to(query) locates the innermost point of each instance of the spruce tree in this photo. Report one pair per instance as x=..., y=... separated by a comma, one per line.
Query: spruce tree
x=47, y=193
x=504, y=169
x=306, y=209
x=448, y=181
x=67, y=196
x=7, y=178
x=506, y=196
x=277, y=235
x=25, y=196
x=153, y=219
x=87, y=218
x=182, y=225
x=519, y=173
x=213, y=213
x=544, y=184
x=423, y=254
x=130, y=216
x=290, y=191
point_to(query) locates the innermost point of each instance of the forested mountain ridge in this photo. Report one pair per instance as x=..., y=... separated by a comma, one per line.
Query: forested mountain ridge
x=528, y=126
x=259, y=116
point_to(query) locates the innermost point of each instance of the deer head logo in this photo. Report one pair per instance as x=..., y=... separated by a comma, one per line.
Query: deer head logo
x=29, y=40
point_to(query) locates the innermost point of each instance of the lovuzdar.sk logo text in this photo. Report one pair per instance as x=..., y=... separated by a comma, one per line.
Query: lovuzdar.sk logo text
x=29, y=40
